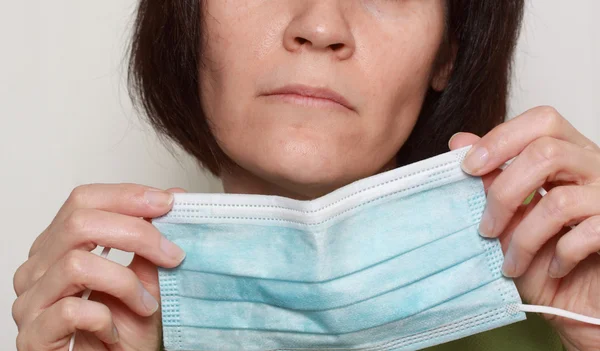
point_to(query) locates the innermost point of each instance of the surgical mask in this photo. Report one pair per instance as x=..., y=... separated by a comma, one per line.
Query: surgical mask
x=390, y=262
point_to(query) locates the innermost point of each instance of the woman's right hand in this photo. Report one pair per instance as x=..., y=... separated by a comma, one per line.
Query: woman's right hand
x=121, y=313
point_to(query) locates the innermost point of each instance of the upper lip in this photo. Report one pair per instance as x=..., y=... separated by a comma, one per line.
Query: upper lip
x=308, y=91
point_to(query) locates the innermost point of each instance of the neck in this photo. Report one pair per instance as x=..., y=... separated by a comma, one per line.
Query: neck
x=241, y=181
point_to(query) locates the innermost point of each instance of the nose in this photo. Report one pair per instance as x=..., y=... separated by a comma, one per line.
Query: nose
x=320, y=25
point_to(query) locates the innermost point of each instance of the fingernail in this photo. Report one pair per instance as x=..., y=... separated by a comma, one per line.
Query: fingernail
x=509, y=268
x=115, y=333
x=158, y=198
x=475, y=159
x=554, y=269
x=452, y=137
x=171, y=250
x=486, y=226
x=149, y=301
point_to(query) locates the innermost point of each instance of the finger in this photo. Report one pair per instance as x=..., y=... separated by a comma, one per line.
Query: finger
x=575, y=246
x=176, y=190
x=53, y=328
x=460, y=140
x=81, y=270
x=127, y=199
x=87, y=228
x=545, y=160
x=147, y=274
x=173, y=191
x=562, y=205
x=27, y=274
x=510, y=138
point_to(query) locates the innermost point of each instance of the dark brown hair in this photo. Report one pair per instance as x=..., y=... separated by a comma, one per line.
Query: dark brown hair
x=166, y=57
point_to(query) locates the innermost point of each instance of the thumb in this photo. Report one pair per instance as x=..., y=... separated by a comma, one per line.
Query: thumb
x=146, y=271
x=459, y=140
x=176, y=190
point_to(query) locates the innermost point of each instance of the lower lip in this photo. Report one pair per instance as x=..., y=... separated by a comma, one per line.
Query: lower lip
x=307, y=101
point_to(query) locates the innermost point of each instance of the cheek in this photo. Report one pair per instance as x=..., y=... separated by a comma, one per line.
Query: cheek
x=399, y=63
x=239, y=41
x=219, y=86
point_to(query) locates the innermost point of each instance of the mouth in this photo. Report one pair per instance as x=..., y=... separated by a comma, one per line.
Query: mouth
x=310, y=96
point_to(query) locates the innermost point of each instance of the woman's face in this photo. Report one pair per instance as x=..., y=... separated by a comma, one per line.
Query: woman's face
x=368, y=62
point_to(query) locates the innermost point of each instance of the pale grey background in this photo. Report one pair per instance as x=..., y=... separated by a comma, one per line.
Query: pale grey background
x=66, y=118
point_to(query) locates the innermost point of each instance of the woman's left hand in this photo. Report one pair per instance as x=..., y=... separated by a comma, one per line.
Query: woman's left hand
x=553, y=264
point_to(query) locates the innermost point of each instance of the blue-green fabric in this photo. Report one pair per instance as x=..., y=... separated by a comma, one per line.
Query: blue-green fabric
x=389, y=262
x=533, y=334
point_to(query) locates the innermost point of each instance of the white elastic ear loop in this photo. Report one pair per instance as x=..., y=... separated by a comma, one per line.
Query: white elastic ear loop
x=552, y=310
x=85, y=296
x=558, y=312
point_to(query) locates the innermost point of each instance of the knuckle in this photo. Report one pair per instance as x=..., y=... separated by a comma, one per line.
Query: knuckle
x=22, y=342
x=79, y=195
x=17, y=310
x=559, y=202
x=547, y=110
x=69, y=310
x=549, y=118
x=26, y=276
x=19, y=279
x=79, y=227
x=103, y=320
x=77, y=220
x=545, y=149
x=75, y=266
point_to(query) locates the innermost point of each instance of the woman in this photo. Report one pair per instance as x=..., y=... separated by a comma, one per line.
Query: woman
x=298, y=98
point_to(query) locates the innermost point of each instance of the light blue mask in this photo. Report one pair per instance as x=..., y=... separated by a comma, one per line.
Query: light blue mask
x=389, y=262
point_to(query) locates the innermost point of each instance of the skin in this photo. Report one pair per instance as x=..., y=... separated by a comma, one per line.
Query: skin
x=554, y=265
x=375, y=53
x=358, y=48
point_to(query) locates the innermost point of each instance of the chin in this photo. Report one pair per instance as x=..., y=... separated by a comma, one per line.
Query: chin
x=306, y=160
x=310, y=171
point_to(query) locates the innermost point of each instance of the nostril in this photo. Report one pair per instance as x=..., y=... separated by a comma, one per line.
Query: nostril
x=301, y=40
x=336, y=47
